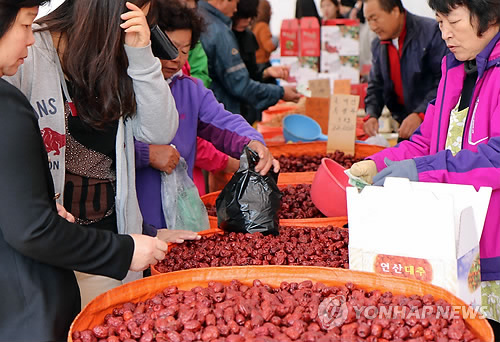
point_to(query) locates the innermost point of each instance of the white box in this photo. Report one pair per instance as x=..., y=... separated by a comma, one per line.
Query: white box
x=423, y=231
x=340, y=51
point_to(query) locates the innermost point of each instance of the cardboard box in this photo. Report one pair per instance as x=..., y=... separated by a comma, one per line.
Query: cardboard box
x=422, y=231
x=310, y=37
x=340, y=49
x=289, y=37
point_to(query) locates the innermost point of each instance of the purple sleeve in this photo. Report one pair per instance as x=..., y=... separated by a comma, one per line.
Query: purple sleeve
x=481, y=168
x=417, y=146
x=228, y=132
x=141, y=154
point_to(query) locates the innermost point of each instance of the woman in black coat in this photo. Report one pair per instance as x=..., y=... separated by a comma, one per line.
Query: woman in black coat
x=39, y=247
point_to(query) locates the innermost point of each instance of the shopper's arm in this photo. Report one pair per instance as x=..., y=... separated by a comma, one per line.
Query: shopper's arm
x=417, y=146
x=156, y=120
x=29, y=222
x=233, y=74
x=208, y=157
x=228, y=132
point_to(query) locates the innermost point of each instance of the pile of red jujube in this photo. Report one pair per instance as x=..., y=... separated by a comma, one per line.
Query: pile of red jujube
x=259, y=313
x=311, y=163
x=296, y=203
x=322, y=246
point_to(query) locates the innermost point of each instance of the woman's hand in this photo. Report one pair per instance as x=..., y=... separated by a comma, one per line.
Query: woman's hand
x=163, y=157
x=61, y=211
x=137, y=33
x=290, y=94
x=176, y=236
x=266, y=158
x=365, y=169
x=147, y=251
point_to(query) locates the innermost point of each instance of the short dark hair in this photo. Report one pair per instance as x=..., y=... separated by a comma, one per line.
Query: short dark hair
x=486, y=12
x=174, y=15
x=388, y=5
x=9, y=10
x=246, y=9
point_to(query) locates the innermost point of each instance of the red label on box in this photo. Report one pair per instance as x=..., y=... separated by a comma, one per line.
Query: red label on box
x=411, y=268
x=310, y=37
x=289, y=39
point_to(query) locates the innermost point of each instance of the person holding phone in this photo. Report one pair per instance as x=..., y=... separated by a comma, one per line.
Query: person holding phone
x=200, y=116
x=39, y=244
x=95, y=86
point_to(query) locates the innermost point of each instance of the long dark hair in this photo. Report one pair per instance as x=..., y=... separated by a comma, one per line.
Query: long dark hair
x=94, y=59
x=9, y=10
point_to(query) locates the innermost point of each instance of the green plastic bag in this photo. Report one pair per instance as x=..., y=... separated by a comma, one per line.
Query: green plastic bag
x=182, y=206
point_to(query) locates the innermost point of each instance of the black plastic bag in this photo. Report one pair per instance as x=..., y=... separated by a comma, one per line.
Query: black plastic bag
x=249, y=203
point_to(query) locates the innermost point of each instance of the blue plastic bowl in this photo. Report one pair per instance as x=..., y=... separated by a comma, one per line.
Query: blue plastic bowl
x=298, y=127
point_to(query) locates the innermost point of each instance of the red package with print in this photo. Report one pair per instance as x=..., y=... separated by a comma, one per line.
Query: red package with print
x=289, y=39
x=310, y=37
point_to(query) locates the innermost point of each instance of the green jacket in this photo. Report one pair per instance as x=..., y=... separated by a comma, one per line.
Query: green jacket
x=199, y=64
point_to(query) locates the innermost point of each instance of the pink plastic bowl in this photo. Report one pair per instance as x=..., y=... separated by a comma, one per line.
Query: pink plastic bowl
x=328, y=189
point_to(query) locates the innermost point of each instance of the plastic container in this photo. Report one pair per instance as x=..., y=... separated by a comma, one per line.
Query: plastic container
x=273, y=111
x=263, y=128
x=140, y=290
x=298, y=127
x=209, y=199
x=218, y=180
x=319, y=147
x=210, y=232
x=328, y=188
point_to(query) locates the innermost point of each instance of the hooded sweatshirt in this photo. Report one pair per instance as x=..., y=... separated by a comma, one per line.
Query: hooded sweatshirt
x=41, y=80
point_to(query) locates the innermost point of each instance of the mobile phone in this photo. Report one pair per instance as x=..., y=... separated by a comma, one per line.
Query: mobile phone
x=162, y=46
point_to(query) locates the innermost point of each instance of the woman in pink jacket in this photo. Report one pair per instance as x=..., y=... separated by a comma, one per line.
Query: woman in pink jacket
x=459, y=140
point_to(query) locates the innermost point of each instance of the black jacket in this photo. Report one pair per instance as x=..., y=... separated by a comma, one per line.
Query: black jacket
x=423, y=50
x=248, y=46
x=231, y=82
x=39, y=294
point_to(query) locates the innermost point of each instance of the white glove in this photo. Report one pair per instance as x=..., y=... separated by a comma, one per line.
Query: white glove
x=366, y=170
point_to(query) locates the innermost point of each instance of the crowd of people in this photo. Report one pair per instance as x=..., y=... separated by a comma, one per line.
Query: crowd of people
x=91, y=117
